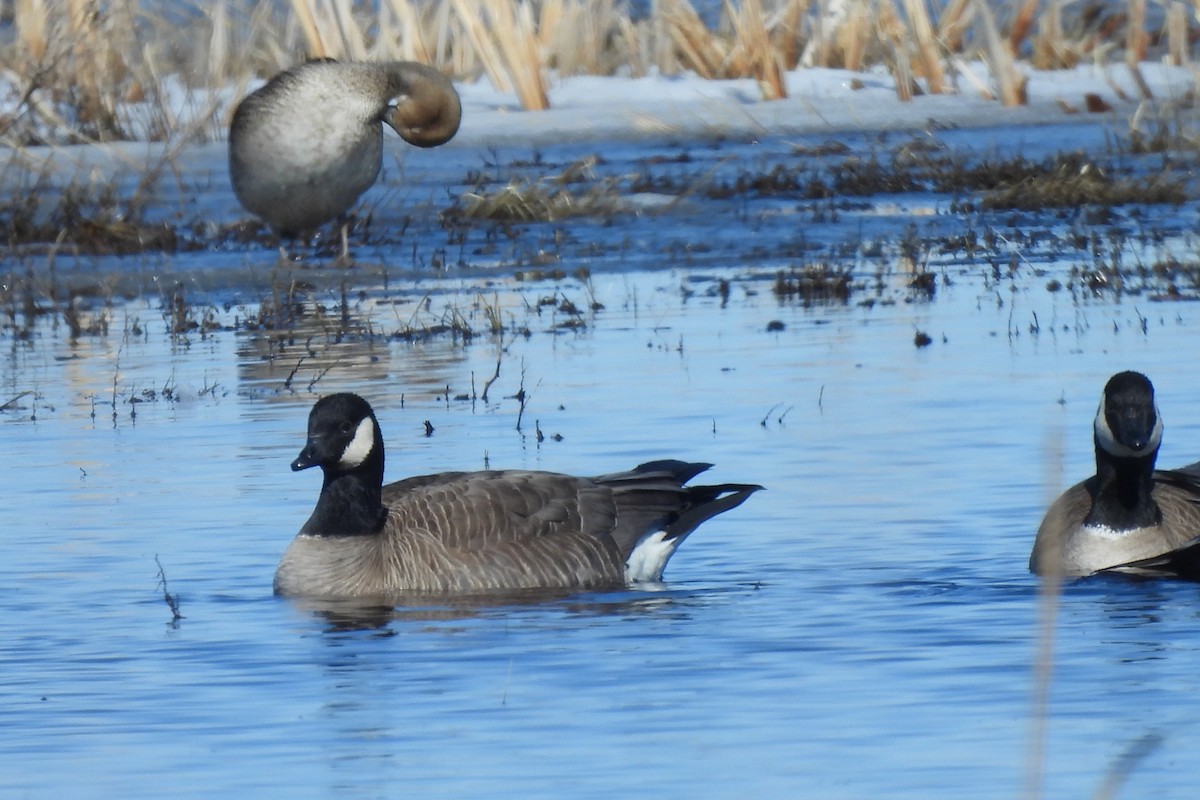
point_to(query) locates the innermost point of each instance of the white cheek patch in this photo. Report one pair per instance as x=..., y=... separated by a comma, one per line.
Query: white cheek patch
x=360, y=446
x=1108, y=441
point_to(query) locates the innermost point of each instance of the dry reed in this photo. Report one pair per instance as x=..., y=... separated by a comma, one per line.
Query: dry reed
x=75, y=66
x=1010, y=82
x=926, y=45
x=509, y=45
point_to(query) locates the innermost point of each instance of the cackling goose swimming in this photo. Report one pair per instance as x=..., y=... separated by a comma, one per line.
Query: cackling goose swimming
x=1128, y=517
x=304, y=147
x=491, y=531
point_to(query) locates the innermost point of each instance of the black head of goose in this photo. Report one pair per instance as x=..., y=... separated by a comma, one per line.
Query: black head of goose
x=306, y=145
x=479, y=532
x=1129, y=517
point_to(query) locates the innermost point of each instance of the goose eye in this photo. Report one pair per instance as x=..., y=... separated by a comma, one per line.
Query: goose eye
x=347, y=427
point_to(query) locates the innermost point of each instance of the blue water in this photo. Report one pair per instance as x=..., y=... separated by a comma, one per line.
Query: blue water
x=863, y=628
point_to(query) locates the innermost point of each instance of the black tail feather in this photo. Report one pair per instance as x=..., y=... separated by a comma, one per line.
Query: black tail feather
x=652, y=497
x=706, y=502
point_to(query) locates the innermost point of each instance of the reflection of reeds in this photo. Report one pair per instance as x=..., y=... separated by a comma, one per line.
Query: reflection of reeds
x=76, y=65
x=814, y=284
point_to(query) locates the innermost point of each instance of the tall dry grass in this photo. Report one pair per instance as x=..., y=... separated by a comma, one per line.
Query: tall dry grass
x=74, y=67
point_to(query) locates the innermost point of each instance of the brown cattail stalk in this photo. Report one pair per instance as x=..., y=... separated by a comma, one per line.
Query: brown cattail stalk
x=306, y=18
x=953, y=23
x=855, y=36
x=1135, y=45
x=1021, y=25
x=485, y=48
x=410, y=34
x=789, y=30
x=1177, y=34
x=353, y=45
x=927, y=49
x=697, y=49
x=1009, y=82
x=750, y=36
x=508, y=47
x=30, y=19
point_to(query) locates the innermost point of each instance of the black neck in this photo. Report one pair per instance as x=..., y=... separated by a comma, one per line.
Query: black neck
x=1122, y=498
x=350, y=504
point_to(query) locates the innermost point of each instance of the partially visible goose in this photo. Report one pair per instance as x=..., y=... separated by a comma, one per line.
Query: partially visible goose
x=1128, y=517
x=304, y=147
x=491, y=531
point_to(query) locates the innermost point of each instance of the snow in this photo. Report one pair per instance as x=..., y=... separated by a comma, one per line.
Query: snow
x=820, y=100
x=661, y=106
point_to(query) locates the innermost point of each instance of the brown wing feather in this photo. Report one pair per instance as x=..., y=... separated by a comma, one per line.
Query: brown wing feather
x=1178, y=495
x=501, y=530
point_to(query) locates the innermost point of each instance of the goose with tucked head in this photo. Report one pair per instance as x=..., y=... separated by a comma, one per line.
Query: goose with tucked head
x=1129, y=517
x=305, y=146
x=481, y=532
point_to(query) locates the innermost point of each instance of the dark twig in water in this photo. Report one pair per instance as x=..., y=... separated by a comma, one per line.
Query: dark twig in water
x=1145, y=323
x=14, y=400
x=491, y=380
x=171, y=600
x=767, y=416
x=320, y=375
x=521, y=397
x=428, y=429
x=287, y=384
x=208, y=388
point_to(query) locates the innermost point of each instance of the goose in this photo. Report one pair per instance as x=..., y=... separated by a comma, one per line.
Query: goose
x=306, y=145
x=1129, y=517
x=480, y=532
